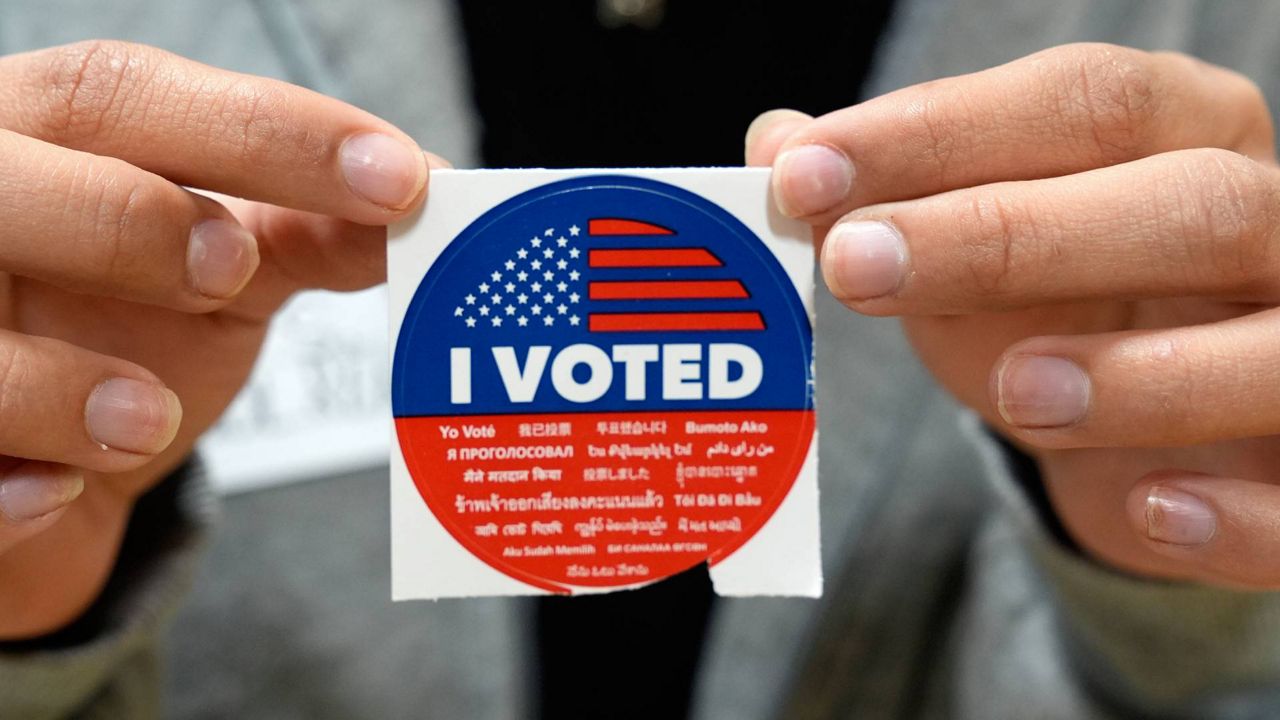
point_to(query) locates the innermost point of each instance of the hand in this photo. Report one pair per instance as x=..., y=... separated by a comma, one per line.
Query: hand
x=131, y=309
x=1084, y=246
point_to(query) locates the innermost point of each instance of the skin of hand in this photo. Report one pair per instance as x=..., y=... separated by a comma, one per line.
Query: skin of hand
x=1084, y=247
x=131, y=308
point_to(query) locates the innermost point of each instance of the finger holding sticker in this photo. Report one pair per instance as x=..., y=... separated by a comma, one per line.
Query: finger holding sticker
x=1090, y=268
x=1078, y=108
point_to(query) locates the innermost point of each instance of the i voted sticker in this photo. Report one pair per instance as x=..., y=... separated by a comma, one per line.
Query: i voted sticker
x=599, y=382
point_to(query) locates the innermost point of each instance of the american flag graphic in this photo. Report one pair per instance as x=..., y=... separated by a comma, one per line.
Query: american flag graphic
x=558, y=278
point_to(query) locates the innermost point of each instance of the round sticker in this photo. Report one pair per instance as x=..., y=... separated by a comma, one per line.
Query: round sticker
x=602, y=382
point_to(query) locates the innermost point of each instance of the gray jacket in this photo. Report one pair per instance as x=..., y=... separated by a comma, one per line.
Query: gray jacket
x=946, y=595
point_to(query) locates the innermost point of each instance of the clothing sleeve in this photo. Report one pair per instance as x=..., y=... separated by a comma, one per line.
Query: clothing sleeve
x=106, y=664
x=1138, y=646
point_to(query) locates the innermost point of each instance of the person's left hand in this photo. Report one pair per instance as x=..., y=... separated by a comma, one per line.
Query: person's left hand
x=1084, y=245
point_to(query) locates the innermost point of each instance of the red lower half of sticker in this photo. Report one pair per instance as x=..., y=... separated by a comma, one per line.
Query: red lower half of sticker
x=604, y=499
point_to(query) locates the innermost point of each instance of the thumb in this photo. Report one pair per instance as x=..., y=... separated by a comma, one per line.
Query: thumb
x=33, y=495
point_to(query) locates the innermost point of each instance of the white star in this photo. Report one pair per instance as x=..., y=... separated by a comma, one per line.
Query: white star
x=548, y=321
x=522, y=321
x=484, y=310
x=496, y=276
x=548, y=298
x=471, y=322
x=522, y=298
x=549, y=232
x=561, y=286
x=484, y=287
x=574, y=320
x=574, y=297
x=496, y=298
x=536, y=264
x=471, y=299
x=562, y=264
x=522, y=276
x=574, y=253
x=574, y=274
x=536, y=242
x=548, y=276
x=522, y=253
x=536, y=287
x=510, y=264
x=561, y=241
x=457, y=312
x=562, y=308
x=536, y=309
x=573, y=230
x=497, y=322
x=548, y=253
x=509, y=287
x=510, y=309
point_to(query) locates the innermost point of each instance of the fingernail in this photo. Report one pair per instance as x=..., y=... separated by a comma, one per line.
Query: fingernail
x=1179, y=518
x=1034, y=391
x=132, y=415
x=864, y=259
x=811, y=179
x=29, y=495
x=221, y=257
x=766, y=120
x=383, y=170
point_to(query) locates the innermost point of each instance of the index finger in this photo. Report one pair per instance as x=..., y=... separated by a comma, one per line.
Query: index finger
x=1058, y=112
x=203, y=127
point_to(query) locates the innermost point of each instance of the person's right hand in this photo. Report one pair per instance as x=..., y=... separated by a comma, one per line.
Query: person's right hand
x=131, y=309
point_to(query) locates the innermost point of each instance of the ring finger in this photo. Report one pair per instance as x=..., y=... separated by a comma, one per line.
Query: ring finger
x=64, y=404
x=1144, y=388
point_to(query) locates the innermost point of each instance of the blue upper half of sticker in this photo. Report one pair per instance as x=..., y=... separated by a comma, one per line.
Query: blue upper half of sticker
x=603, y=293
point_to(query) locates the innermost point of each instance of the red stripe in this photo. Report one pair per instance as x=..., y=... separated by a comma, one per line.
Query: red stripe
x=618, y=226
x=666, y=290
x=652, y=257
x=637, y=322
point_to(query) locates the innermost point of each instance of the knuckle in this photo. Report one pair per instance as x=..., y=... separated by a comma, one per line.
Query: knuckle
x=263, y=119
x=119, y=208
x=1227, y=215
x=81, y=86
x=937, y=132
x=1235, y=95
x=1110, y=93
x=15, y=375
x=1253, y=99
x=1259, y=125
x=993, y=232
x=258, y=123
